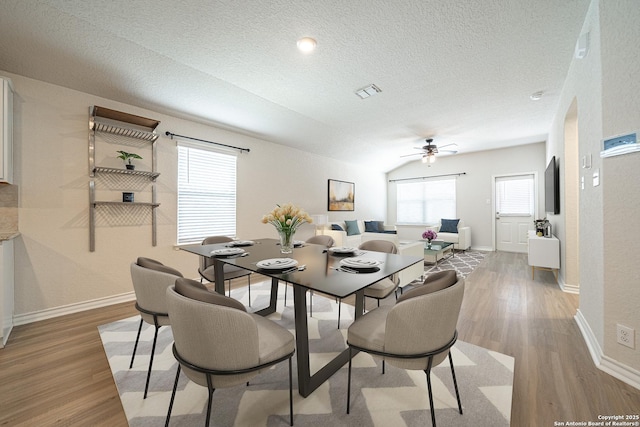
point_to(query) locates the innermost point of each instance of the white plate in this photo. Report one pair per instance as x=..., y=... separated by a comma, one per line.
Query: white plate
x=360, y=262
x=227, y=251
x=342, y=250
x=277, y=263
x=242, y=243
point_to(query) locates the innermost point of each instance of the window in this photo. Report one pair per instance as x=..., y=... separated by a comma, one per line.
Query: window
x=206, y=193
x=426, y=202
x=515, y=195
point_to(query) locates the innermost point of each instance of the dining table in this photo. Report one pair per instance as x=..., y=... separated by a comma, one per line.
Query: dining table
x=318, y=269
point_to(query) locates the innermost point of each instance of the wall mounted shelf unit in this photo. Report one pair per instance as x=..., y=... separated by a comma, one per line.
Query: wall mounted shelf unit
x=128, y=129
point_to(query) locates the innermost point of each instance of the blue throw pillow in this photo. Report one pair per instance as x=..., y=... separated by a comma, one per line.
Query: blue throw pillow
x=352, y=228
x=336, y=227
x=449, y=225
x=371, y=226
x=380, y=226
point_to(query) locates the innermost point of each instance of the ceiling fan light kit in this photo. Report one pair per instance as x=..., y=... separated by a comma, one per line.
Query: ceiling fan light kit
x=430, y=150
x=428, y=158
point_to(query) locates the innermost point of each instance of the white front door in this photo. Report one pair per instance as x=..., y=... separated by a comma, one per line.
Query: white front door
x=515, y=207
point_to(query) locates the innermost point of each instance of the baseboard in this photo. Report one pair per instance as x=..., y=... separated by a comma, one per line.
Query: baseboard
x=23, y=319
x=570, y=289
x=606, y=364
x=589, y=338
x=621, y=371
x=482, y=248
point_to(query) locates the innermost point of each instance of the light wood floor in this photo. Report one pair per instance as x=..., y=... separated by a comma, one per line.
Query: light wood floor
x=55, y=372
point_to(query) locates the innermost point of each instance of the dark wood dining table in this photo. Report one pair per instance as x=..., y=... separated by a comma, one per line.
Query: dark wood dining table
x=320, y=274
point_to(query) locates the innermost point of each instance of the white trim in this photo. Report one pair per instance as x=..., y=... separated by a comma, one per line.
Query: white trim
x=620, y=371
x=570, y=289
x=23, y=319
x=604, y=363
x=493, y=201
x=589, y=338
x=5, y=337
x=482, y=248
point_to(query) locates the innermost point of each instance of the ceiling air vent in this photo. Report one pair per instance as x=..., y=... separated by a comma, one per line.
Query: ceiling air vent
x=368, y=91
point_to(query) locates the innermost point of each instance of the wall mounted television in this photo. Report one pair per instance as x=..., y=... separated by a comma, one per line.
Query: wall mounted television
x=552, y=188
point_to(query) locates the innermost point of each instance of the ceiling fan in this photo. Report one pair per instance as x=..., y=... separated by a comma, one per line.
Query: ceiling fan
x=430, y=150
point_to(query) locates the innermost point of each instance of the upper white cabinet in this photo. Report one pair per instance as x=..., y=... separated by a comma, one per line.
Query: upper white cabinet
x=6, y=130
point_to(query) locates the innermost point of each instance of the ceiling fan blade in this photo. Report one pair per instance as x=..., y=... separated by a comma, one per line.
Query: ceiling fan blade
x=413, y=154
x=453, y=145
x=452, y=150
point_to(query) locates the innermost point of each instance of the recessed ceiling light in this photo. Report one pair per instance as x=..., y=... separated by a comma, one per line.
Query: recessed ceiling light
x=307, y=44
x=536, y=96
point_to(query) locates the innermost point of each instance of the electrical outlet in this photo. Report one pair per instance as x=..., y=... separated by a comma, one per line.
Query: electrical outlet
x=625, y=336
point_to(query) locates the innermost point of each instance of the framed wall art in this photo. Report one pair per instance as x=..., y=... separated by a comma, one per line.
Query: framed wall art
x=341, y=195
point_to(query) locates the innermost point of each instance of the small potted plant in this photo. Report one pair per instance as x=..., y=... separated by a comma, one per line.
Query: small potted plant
x=127, y=157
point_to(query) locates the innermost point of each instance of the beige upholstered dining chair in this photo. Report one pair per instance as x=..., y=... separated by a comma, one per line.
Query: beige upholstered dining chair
x=321, y=240
x=382, y=288
x=218, y=344
x=416, y=333
x=207, y=270
x=150, y=280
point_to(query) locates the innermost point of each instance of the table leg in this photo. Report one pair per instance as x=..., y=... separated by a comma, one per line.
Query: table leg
x=307, y=383
x=273, y=299
x=218, y=272
x=219, y=288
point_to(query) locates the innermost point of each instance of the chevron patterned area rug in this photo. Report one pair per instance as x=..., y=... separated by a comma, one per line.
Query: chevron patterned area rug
x=396, y=398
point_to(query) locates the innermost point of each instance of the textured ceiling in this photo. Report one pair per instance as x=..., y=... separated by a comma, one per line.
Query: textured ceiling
x=458, y=71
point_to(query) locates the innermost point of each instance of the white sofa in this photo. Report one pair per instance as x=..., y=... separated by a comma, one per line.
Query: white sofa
x=342, y=239
x=461, y=240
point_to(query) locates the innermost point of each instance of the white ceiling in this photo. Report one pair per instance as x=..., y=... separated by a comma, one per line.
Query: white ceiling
x=458, y=71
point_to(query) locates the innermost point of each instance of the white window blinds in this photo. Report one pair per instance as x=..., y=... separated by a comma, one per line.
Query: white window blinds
x=426, y=202
x=515, y=195
x=206, y=193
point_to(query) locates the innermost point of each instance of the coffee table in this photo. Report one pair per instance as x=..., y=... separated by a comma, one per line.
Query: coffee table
x=436, y=251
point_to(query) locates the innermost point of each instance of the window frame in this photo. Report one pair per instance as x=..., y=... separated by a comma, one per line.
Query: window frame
x=427, y=218
x=204, y=193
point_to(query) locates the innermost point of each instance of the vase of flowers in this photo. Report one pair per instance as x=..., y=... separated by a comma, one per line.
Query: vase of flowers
x=429, y=235
x=286, y=219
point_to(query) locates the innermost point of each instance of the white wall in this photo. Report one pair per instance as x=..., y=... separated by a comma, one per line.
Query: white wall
x=606, y=88
x=620, y=36
x=583, y=88
x=474, y=188
x=55, y=269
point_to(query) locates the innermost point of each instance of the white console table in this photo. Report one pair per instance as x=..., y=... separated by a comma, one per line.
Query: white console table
x=544, y=253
